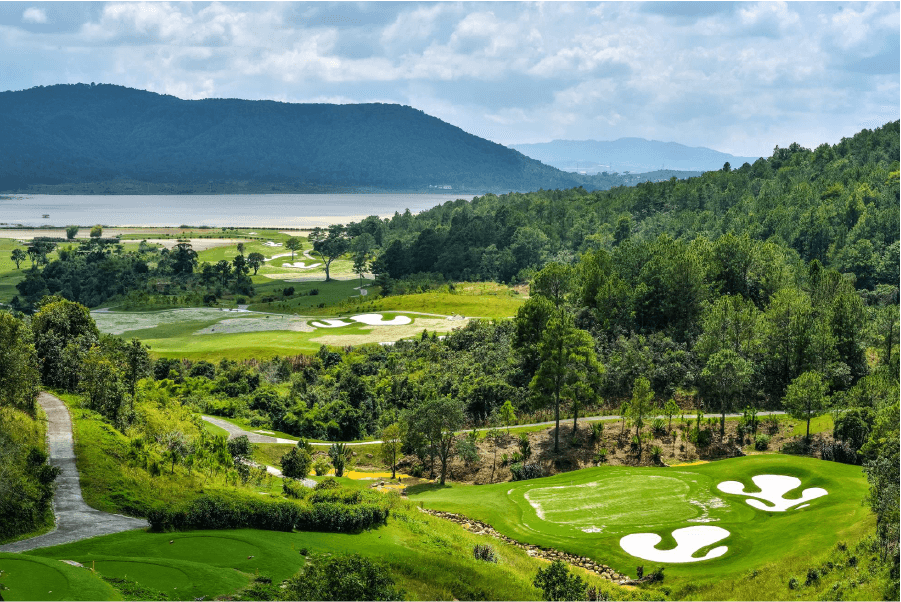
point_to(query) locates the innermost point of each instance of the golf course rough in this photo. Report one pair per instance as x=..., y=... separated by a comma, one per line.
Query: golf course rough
x=589, y=512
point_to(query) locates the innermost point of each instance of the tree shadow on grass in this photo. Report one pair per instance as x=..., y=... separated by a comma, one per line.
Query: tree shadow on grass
x=424, y=487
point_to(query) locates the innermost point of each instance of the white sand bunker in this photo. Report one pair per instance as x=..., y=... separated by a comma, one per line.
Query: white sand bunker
x=269, y=243
x=329, y=323
x=688, y=541
x=379, y=320
x=772, y=489
x=301, y=264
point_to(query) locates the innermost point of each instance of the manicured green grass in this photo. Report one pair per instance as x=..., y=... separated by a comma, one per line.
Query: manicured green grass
x=483, y=300
x=430, y=558
x=820, y=424
x=31, y=578
x=624, y=500
x=215, y=430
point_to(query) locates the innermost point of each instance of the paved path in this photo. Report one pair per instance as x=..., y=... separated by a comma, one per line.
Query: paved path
x=75, y=520
x=237, y=431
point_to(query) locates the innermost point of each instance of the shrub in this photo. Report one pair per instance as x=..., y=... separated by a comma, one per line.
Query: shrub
x=597, y=432
x=287, y=292
x=601, y=456
x=525, y=447
x=656, y=452
x=812, y=577
x=484, y=552
x=296, y=463
x=326, y=484
x=839, y=452
x=321, y=467
x=659, y=427
x=314, y=291
x=291, y=488
x=557, y=583
x=345, y=577
x=793, y=583
x=761, y=442
x=522, y=472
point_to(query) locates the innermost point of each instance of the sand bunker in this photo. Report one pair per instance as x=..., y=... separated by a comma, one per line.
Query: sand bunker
x=329, y=323
x=269, y=243
x=772, y=489
x=379, y=320
x=301, y=264
x=688, y=541
x=257, y=323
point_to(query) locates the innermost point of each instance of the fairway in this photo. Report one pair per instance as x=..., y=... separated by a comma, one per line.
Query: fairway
x=702, y=521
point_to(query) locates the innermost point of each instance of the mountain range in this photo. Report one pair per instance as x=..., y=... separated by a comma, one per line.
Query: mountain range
x=107, y=138
x=635, y=155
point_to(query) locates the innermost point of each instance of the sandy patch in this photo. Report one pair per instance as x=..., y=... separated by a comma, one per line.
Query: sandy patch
x=379, y=320
x=698, y=463
x=379, y=334
x=688, y=541
x=269, y=243
x=257, y=324
x=329, y=323
x=772, y=489
x=115, y=322
x=301, y=264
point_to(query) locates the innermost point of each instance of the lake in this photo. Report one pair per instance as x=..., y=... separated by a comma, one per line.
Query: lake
x=250, y=210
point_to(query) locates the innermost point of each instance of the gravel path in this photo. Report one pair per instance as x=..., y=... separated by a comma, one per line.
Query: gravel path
x=75, y=520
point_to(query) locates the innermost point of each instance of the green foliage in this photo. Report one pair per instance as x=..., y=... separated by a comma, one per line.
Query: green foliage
x=761, y=442
x=344, y=577
x=297, y=462
x=806, y=398
x=19, y=376
x=338, y=453
x=321, y=466
x=557, y=583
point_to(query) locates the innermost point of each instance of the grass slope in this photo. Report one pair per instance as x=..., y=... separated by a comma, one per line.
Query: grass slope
x=625, y=500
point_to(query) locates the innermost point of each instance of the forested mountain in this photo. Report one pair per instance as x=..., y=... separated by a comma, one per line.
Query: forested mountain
x=636, y=155
x=71, y=134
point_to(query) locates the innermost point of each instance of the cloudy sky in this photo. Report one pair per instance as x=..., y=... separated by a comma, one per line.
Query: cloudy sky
x=737, y=77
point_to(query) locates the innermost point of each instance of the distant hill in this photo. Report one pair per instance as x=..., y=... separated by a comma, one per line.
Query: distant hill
x=72, y=137
x=635, y=155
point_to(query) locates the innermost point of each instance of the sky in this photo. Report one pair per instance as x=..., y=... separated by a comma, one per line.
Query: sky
x=733, y=76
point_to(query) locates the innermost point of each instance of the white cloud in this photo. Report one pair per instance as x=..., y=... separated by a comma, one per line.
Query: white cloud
x=34, y=15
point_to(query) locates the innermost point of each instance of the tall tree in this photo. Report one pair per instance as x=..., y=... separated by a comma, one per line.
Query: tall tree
x=726, y=375
x=329, y=244
x=293, y=244
x=807, y=397
x=640, y=407
x=19, y=376
x=256, y=261
x=438, y=420
x=565, y=356
x=18, y=256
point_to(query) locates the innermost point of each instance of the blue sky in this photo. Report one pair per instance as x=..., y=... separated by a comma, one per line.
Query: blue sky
x=734, y=76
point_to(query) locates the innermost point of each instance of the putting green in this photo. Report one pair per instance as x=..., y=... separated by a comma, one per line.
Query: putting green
x=589, y=512
x=217, y=551
x=41, y=579
x=145, y=571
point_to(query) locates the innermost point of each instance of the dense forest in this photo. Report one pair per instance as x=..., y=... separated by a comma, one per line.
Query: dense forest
x=110, y=135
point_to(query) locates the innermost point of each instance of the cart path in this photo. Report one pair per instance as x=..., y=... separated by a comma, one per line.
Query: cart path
x=237, y=431
x=75, y=520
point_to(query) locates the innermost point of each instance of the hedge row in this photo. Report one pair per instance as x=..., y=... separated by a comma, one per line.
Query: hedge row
x=218, y=512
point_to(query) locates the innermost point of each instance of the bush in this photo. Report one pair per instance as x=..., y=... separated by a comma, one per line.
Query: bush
x=601, y=456
x=597, y=432
x=484, y=552
x=557, y=583
x=287, y=292
x=656, y=452
x=326, y=484
x=296, y=463
x=321, y=467
x=761, y=442
x=522, y=472
x=294, y=489
x=793, y=583
x=219, y=512
x=659, y=427
x=346, y=577
x=525, y=447
x=314, y=291
x=812, y=577
x=839, y=452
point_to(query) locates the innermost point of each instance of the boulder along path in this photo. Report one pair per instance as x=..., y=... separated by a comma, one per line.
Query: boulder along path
x=75, y=520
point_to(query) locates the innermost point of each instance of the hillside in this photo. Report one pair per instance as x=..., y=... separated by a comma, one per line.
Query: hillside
x=75, y=134
x=636, y=155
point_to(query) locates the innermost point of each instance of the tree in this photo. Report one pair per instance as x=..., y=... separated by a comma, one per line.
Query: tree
x=97, y=231
x=806, y=398
x=557, y=583
x=726, y=375
x=240, y=265
x=670, y=409
x=256, y=260
x=507, y=415
x=18, y=255
x=223, y=269
x=71, y=232
x=437, y=420
x=101, y=383
x=19, y=376
x=137, y=363
x=361, y=248
x=293, y=244
x=566, y=356
x=297, y=462
x=338, y=453
x=493, y=436
x=344, y=577
x=329, y=245
x=640, y=406
x=554, y=282
x=392, y=437
x=63, y=332
x=184, y=258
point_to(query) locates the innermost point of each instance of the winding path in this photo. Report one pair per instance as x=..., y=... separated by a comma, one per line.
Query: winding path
x=75, y=520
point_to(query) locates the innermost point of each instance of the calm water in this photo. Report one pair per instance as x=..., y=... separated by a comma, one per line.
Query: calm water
x=252, y=210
